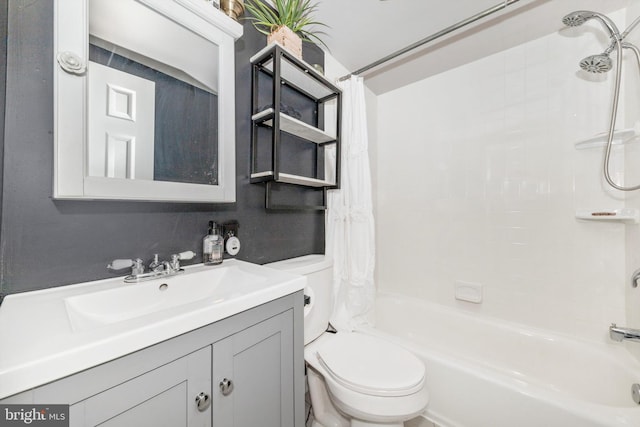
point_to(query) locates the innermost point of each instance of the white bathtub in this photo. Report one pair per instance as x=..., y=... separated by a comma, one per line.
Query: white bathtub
x=488, y=373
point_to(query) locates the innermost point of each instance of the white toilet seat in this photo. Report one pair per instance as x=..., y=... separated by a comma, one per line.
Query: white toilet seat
x=372, y=395
x=370, y=365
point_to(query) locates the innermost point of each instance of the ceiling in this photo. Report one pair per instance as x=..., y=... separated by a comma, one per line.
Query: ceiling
x=363, y=31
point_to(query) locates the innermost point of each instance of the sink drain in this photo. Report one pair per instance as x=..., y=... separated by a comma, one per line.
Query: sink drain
x=163, y=287
x=635, y=393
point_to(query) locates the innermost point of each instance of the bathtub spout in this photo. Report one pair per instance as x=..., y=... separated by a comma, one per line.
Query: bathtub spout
x=619, y=333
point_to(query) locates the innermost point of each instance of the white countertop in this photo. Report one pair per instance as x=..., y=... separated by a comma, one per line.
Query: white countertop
x=39, y=343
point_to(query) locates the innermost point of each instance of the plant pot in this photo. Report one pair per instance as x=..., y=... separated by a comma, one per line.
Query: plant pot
x=233, y=8
x=287, y=39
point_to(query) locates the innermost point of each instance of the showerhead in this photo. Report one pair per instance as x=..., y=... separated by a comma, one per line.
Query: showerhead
x=575, y=19
x=597, y=63
x=579, y=17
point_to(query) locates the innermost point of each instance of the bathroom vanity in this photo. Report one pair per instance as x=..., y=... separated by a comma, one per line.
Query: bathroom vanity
x=230, y=356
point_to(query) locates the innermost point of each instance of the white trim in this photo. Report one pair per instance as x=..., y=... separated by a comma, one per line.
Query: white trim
x=71, y=34
x=216, y=17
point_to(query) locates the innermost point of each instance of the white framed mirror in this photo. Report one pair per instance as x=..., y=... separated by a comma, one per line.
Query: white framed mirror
x=144, y=101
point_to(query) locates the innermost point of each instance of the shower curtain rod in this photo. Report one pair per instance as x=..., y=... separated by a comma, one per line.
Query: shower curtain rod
x=432, y=37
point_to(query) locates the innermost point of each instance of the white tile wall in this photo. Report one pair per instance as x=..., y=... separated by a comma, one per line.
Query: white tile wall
x=477, y=179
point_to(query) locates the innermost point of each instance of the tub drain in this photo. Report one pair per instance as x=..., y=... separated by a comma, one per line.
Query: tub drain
x=635, y=393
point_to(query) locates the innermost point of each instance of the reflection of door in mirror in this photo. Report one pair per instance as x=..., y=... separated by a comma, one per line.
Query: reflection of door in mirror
x=165, y=125
x=121, y=116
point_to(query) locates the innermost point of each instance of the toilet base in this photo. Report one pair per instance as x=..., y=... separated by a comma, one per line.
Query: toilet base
x=324, y=411
x=358, y=423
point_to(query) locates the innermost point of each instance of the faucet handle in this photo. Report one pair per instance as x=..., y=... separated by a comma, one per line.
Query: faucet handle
x=186, y=255
x=182, y=256
x=119, y=264
x=137, y=267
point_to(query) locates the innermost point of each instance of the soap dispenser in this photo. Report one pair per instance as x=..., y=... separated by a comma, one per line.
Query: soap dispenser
x=212, y=246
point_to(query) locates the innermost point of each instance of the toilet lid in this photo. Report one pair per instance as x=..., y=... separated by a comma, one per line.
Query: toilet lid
x=370, y=365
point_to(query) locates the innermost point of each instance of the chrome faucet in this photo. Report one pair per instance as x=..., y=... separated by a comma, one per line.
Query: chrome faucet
x=156, y=268
x=619, y=334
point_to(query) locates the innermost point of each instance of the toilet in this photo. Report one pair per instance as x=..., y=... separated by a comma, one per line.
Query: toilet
x=355, y=379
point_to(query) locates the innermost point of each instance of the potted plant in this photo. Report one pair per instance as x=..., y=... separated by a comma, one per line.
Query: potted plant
x=288, y=24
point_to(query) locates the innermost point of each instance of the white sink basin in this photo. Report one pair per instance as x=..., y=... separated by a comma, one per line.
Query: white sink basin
x=90, y=323
x=209, y=286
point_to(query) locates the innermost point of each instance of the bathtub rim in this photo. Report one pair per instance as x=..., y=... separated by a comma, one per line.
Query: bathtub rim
x=520, y=328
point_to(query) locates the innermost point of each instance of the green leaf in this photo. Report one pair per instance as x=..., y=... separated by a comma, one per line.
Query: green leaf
x=295, y=14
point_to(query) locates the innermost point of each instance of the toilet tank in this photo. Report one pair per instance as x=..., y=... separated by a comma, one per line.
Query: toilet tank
x=319, y=272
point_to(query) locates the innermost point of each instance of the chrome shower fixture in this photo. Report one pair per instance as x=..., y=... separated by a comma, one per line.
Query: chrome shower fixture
x=602, y=63
x=579, y=17
x=597, y=63
x=574, y=19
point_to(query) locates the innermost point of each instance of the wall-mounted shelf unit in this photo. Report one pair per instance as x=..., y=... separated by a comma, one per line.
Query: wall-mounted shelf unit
x=295, y=126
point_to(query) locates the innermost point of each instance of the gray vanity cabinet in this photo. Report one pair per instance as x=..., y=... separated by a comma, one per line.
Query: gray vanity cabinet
x=243, y=371
x=161, y=397
x=252, y=375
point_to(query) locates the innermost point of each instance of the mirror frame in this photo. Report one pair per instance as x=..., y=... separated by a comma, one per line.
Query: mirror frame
x=71, y=34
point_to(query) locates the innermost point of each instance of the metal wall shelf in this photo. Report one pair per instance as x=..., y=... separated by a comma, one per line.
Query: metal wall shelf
x=280, y=68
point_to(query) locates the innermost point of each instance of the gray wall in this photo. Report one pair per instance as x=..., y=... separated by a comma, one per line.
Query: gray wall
x=3, y=79
x=46, y=242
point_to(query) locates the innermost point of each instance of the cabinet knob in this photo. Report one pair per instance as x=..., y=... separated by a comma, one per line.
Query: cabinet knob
x=203, y=401
x=226, y=387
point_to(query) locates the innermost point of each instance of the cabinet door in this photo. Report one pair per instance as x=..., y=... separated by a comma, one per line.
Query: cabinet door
x=258, y=364
x=165, y=396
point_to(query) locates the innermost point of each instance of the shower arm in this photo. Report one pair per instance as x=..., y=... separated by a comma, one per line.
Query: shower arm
x=634, y=49
x=625, y=45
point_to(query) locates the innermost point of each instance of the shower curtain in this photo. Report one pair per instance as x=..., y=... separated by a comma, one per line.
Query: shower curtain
x=350, y=226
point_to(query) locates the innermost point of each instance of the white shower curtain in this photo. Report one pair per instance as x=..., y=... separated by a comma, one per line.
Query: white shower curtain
x=350, y=226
